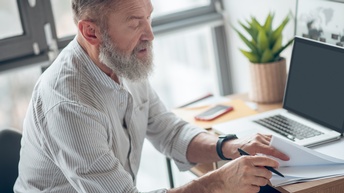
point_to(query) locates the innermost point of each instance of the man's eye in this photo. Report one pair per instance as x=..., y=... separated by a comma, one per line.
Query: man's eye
x=135, y=25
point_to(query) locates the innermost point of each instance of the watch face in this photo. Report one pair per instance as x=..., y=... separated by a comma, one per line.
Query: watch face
x=222, y=136
x=229, y=136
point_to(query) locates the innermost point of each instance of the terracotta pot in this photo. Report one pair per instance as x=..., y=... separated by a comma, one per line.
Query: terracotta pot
x=268, y=81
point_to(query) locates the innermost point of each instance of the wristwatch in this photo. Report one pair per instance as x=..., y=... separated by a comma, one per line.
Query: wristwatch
x=219, y=144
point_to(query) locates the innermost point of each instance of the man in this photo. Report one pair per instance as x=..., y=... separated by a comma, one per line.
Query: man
x=93, y=107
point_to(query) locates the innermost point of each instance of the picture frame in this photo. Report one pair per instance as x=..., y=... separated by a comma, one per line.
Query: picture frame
x=321, y=20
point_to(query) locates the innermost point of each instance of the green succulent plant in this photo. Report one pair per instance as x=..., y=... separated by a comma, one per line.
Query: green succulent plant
x=265, y=43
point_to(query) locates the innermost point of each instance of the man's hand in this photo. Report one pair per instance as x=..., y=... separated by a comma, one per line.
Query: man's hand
x=255, y=144
x=242, y=175
x=246, y=174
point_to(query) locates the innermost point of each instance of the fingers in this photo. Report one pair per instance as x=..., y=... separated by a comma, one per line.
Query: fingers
x=258, y=138
x=274, y=152
x=246, y=174
x=261, y=144
x=259, y=181
x=255, y=174
x=264, y=139
x=258, y=173
x=260, y=161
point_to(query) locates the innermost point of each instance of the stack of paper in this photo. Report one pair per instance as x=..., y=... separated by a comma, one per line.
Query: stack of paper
x=305, y=164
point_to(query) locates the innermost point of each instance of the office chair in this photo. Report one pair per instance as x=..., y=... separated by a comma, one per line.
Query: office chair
x=9, y=159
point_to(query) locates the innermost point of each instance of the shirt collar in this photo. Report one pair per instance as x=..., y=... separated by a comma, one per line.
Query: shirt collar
x=92, y=68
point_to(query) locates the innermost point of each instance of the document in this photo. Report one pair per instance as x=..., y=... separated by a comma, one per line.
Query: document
x=305, y=164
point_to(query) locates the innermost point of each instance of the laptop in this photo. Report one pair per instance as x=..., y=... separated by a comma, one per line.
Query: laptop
x=313, y=103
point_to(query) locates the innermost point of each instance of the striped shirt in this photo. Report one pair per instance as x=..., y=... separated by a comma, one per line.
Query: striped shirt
x=83, y=132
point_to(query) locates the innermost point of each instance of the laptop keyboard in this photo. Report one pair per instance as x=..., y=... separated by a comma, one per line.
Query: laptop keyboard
x=287, y=127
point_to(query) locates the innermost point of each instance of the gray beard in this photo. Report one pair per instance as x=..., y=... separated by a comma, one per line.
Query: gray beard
x=126, y=66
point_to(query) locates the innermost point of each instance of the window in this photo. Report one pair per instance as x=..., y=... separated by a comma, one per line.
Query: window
x=63, y=18
x=168, y=7
x=23, y=41
x=185, y=67
x=11, y=25
x=197, y=13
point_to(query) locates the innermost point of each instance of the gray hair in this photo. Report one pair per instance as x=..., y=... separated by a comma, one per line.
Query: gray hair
x=93, y=10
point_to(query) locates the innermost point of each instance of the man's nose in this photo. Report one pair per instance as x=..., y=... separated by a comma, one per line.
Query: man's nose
x=148, y=34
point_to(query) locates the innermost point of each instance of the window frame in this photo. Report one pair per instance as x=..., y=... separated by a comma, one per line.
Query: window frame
x=185, y=19
x=21, y=48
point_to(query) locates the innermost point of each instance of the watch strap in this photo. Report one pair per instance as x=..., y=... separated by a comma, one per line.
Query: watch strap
x=219, y=144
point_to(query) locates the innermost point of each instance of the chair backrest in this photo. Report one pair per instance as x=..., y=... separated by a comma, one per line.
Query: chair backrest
x=9, y=159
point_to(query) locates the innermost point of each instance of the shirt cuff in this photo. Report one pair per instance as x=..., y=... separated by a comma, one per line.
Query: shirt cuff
x=181, y=145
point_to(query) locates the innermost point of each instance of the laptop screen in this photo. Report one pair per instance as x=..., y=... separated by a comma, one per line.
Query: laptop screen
x=315, y=86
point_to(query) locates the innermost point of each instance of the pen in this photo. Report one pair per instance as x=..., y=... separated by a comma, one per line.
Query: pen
x=242, y=152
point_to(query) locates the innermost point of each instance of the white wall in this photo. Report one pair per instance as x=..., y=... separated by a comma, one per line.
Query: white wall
x=241, y=10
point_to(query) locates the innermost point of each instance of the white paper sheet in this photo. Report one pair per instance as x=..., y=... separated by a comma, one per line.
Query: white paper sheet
x=304, y=164
x=301, y=156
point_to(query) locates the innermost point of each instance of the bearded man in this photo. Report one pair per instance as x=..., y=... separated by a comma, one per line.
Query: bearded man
x=93, y=107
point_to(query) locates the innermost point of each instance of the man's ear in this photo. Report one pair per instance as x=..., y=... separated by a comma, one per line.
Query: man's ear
x=89, y=31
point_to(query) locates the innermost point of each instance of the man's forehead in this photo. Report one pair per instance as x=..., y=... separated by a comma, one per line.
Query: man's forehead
x=134, y=6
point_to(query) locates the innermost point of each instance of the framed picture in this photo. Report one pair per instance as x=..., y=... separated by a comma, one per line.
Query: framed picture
x=321, y=20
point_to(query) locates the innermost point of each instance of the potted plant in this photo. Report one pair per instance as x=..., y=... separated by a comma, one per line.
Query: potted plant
x=267, y=68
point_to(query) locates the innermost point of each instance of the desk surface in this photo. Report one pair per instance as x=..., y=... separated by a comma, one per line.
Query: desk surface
x=331, y=185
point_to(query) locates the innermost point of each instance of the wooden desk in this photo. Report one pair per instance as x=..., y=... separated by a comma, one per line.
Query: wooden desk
x=331, y=185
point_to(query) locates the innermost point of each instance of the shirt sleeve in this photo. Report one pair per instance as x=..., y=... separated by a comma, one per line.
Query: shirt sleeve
x=76, y=139
x=170, y=134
